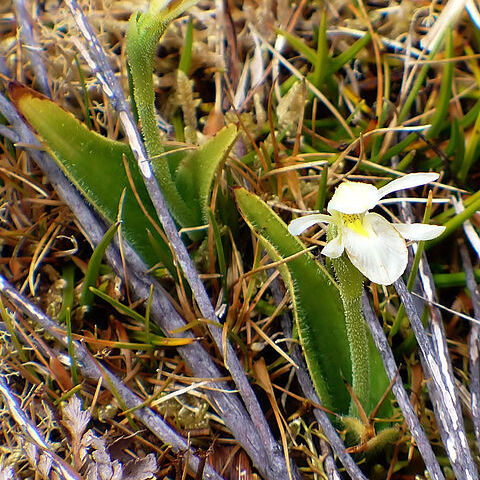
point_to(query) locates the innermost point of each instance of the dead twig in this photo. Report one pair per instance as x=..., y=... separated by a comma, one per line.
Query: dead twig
x=92, y=370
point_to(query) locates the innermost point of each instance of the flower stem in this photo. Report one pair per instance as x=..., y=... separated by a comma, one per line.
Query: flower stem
x=351, y=287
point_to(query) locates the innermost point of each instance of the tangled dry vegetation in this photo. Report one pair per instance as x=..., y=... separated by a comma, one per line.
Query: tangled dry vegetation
x=101, y=392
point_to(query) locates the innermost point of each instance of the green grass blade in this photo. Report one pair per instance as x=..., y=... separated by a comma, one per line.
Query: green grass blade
x=71, y=348
x=90, y=280
x=322, y=189
x=186, y=56
x=443, y=102
x=298, y=44
x=129, y=312
x=419, y=81
x=443, y=217
x=321, y=58
x=471, y=153
x=222, y=264
x=457, y=279
x=457, y=221
x=7, y=318
x=343, y=58
x=88, y=120
x=68, y=290
x=456, y=145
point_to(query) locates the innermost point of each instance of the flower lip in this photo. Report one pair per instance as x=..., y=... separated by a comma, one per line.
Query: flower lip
x=353, y=198
x=382, y=255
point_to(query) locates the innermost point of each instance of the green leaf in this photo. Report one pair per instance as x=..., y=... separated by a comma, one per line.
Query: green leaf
x=71, y=348
x=472, y=152
x=456, y=145
x=298, y=44
x=332, y=64
x=87, y=296
x=196, y=172
x=68, y=290
x=318, y=312
x=95, y=165
x=127, y=311
x=457, y=221
x=317, y=306
x=143, y=34
x=321, y=58
x=222, y=264
x=379, y=384
x=349, y=54
x=417, y=84
x=443, y=102
x=186, y=57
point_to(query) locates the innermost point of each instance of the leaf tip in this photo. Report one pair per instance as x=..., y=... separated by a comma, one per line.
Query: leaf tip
x=17, y=91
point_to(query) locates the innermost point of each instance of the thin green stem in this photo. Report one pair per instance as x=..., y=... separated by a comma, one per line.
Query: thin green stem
x=351, y=287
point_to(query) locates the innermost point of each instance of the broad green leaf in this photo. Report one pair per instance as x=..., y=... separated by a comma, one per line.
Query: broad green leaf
x=196, y=172
x=317, y=309
x=317, y=306
x=95, y=165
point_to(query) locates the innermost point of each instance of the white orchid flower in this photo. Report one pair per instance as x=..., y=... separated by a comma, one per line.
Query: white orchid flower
x=374, y=245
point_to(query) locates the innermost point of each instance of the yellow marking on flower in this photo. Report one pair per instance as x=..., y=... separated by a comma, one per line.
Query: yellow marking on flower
x=353, y=222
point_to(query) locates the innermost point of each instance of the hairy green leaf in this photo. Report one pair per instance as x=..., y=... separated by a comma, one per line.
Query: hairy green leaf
x=95, y=165
x=317, y=306
x=318, y=312
x=196, y=171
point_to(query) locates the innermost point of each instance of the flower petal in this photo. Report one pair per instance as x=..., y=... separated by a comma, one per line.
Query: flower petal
x=418, y=231
x=382, y=255
x=299, y=225
x=353, y=197
x=334, y=248
x=408, y=181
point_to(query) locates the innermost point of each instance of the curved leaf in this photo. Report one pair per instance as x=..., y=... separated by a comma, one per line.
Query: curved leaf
x=317, y=306
x=95, y=165
x=196, y=171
